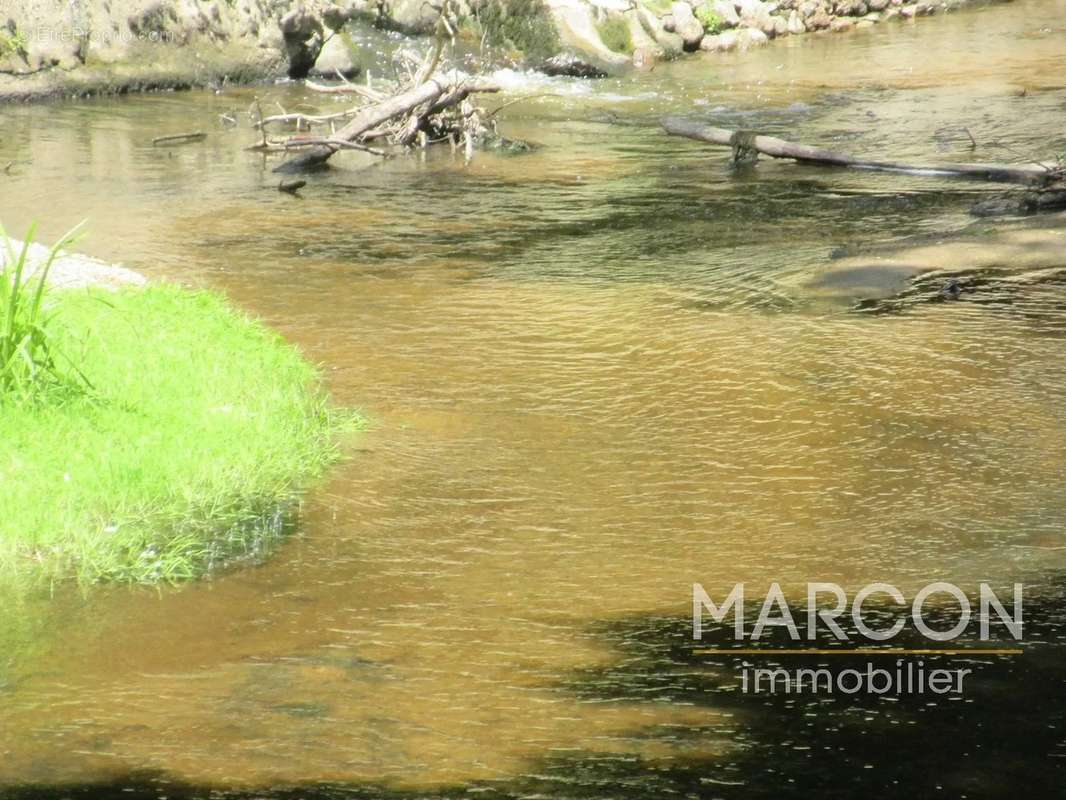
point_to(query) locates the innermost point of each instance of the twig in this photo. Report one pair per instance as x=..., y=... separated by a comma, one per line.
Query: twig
x=179, y=137
x=259, y=123
x=347, y=88
x=341, y=144
x=520, y=100
x=334, y=144
x=307, y=118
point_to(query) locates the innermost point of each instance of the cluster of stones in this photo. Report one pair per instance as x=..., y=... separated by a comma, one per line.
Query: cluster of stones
x=750, y=23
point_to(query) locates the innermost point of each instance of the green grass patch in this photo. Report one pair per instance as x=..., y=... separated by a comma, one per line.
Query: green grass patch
x=198, y=431
x=615, y=34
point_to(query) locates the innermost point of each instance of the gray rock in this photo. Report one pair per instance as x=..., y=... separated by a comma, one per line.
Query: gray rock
x=335, y=57
x=819, y=21
x=687, y=26
x=304, y=37
x=574, y=22
x=342, y=12
x=414, y=16
x=570, y=66
x=749, y=38
x=748, y=9
x=795, y=23
x=726, y=12
x=721, y=43
x=670, y=42
x=850, y=8
x=877, y=5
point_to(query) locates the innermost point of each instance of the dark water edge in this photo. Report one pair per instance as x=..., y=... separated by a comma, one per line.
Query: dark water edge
x=1005, y=734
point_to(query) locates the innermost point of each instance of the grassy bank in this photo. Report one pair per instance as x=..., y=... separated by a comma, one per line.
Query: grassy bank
x=193, y=426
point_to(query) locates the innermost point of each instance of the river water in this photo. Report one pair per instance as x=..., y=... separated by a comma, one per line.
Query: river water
x=596, y=374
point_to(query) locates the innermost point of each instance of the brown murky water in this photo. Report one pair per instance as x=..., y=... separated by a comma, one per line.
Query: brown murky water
x=597, y=374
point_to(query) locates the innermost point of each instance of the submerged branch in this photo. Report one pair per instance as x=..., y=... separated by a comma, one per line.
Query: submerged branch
x=179, y=137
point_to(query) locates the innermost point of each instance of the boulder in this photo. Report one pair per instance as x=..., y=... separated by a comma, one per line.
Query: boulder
x=336, y=57
x=748, y=9
x=722, y=42
x=640, y=36
x=687, y=26
x=819, y=21
x=303, y=36
x=780, y=26
x=850, y=8
x=646, y=57
x=749, y=38
x=726, y=12
x=570, y=66
x=413, y=17
x=877, y=5
x=670, y=42
x=341, y=12
x=795, y=23
x=574, y=22
x=840, y=25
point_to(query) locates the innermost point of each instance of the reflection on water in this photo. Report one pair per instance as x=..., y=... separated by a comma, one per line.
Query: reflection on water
x=598, y=373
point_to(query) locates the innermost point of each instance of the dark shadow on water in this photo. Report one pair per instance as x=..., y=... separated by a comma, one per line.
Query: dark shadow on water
x=1005, y=735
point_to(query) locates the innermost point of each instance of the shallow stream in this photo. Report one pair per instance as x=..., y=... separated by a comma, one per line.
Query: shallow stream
x=597, y=373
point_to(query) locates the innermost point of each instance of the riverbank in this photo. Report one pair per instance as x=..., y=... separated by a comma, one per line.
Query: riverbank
x=186, y=446
x=54, y=49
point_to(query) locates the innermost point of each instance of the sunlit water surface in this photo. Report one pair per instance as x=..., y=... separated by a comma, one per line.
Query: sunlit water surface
x=597, y=373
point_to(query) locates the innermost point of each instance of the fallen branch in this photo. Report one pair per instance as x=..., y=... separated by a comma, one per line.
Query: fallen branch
x=365, y=120
x=179, y=137
x=305, y=119
x=296, y=144
x=780, y=148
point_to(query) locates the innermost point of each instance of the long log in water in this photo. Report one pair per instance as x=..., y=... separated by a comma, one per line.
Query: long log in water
x=781, y=148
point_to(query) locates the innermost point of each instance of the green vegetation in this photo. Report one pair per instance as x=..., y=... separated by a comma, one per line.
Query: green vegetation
x=614, y=32
x=522, y=25
x=198, y=430
x=711, y=22
x=13, y=42
x=29, y=371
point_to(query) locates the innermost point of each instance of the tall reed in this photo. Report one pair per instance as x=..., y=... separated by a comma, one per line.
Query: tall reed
x=29, y=355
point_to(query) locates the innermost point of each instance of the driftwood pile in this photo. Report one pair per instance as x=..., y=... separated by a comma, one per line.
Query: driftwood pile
x=425, y=108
